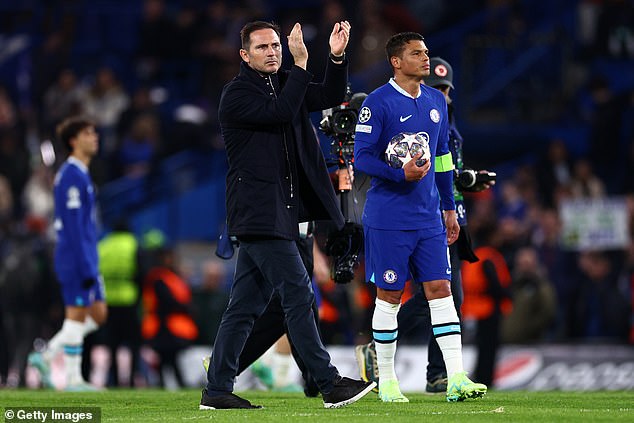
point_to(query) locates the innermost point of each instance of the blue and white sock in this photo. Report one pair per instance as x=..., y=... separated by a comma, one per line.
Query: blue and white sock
x=446, y=329
x=385, y=333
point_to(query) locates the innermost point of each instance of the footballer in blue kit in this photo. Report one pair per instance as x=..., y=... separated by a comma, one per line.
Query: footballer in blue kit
x=76, y=261
x=409, y=216
x=395, y=205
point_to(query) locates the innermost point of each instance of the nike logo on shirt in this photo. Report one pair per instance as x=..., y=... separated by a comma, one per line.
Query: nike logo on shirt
x=403, y=119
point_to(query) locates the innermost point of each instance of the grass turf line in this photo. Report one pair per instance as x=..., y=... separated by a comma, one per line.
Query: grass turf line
x=150, y=405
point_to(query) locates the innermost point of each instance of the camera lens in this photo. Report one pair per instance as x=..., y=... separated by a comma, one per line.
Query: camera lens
x=467, y=178
x=344, y=121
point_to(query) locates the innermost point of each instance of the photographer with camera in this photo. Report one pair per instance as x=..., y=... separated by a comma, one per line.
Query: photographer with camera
x=344, y=245
x=416, y=310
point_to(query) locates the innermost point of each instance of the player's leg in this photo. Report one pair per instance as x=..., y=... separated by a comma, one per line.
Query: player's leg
x=72, y=344
x=281, y=365
x=431, y=265
x=96, y=316
x=436, y=371
x=386, y=266
x=70, y=337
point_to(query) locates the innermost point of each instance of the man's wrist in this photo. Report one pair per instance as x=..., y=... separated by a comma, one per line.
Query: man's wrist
x=337, y=58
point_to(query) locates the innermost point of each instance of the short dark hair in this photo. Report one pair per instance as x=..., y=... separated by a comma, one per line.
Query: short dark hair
x=396, y=44
x=245, y=32
x=70, y=128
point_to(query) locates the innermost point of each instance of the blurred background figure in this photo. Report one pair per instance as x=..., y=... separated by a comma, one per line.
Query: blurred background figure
x=167, y=325
x=119, y=265
x=600, y=309
x=534, y=301
x=486, y=286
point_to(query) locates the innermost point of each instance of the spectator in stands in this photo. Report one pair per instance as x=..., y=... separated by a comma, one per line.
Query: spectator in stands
x=104, y=102
x=155, y=30
x=141, y=104
x=14, y=164
x=38, y=194
x=62, y=99
x=553, y=171
x=585, y=184
x=558, y=265
x=600, y=310
x=615, y=29
x=139, y=147
x=534, y=300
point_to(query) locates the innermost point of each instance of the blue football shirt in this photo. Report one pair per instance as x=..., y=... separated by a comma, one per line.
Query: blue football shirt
x=76, y=256
x=392, y=203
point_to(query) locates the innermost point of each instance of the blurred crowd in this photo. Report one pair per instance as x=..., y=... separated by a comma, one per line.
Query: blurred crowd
x=150, y=74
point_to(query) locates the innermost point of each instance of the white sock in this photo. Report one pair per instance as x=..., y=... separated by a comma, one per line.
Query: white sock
x=73, y=346
x=281, y=366
x=446, y=329
x=58, y=340
x=385, y=332
x=89, y=325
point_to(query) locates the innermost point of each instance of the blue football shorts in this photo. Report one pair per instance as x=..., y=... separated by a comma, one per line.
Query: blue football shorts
x=391, y=257
x=74, y=294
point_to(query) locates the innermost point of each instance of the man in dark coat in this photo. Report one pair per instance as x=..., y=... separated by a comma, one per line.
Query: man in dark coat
x=277, y=178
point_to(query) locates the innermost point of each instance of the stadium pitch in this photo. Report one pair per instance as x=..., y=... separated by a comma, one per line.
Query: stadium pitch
x=151, y=405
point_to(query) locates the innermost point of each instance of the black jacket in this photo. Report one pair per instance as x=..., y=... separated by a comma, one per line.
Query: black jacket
x=277, y=175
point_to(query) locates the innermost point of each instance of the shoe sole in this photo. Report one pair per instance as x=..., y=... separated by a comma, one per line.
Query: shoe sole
x=467, y=395
x=207, y=407
x=356, y=398
x=402, y=400
x=361, y=363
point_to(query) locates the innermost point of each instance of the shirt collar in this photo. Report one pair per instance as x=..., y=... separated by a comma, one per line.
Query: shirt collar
x=78, y=163
x=393, y=83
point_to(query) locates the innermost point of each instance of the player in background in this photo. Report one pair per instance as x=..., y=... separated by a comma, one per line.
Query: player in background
x=404, y=230
x=416, y=308
x=76, y=259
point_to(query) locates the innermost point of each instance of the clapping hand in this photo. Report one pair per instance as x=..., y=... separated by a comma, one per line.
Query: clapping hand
x=339, y=38
x=297, y=47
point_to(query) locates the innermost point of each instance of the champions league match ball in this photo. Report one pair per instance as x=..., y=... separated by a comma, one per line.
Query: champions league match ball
x=402, y=147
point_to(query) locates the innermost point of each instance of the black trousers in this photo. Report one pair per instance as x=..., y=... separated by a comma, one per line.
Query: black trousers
x=264, y=268
x=271, y=325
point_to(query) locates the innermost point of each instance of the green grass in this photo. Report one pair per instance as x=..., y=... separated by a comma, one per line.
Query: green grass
x=149, y=405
